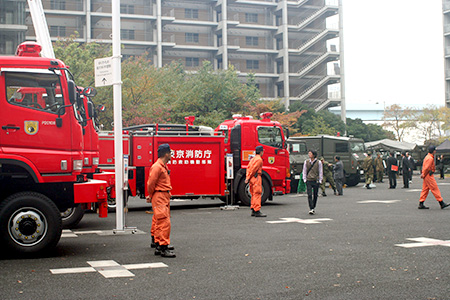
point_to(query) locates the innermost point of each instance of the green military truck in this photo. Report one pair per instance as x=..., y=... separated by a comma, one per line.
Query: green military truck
x=350, y=150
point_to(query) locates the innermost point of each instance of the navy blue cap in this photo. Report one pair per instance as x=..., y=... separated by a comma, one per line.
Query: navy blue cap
x=431, y=149
x=163, y=148
x=259, y=149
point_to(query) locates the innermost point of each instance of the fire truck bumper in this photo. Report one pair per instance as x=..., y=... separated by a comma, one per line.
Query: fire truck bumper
x=92, y=191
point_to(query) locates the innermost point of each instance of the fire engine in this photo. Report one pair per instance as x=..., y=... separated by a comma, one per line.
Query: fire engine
x=198, y=156
x=41, y=150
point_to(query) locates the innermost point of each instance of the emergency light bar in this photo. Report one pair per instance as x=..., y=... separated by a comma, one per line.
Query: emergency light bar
x=29, y=49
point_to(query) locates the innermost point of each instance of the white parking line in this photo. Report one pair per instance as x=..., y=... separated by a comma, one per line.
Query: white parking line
x=109, y=268
x=296, y=220
x=424, y=242
x=378, y=201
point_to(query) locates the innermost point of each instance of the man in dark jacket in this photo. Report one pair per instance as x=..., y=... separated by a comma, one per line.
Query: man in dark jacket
x=392, y=167
x=406, y=168
x=338, y=169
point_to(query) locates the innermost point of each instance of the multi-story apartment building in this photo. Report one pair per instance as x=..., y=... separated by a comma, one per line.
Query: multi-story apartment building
x=292, y=47
x=12, y=25
x=446, y=10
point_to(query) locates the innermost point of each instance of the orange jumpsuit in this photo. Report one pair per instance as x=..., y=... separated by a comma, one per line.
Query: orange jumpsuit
x=429, y=183
x=159, y=187
x=255, y=167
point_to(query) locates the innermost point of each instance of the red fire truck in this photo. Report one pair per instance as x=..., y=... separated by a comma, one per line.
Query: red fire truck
x=41, y=151
x=198, y=156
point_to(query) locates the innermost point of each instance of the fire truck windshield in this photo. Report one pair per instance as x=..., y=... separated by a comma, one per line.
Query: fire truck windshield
x=270, y=136
x=41, y=91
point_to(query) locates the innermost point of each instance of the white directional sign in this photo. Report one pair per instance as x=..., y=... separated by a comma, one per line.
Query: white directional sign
x=424, y=242
x=379, y=201
x=108, y=268
x=103, y=71
x=296, y=220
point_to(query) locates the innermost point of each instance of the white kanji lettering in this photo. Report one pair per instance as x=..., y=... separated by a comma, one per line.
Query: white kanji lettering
x=174, y=162
x=209, y=162
x=207, y=154
x=186, y=162
x=180, y=162
x=189, y=153
x=198, y=153
x=192, y=162
x=172, y=153
x=197, y=162
x=203, y=162
x=180, y=153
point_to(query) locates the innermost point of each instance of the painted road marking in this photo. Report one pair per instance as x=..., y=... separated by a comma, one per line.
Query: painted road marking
x=67, y=233
x=424, y=242
x=296, y=220
x=379, y=201
x=413, y=190
x=108, y=268
x=297, y=195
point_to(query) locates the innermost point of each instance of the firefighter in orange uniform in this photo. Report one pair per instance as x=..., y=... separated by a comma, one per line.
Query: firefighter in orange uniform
x=159, y=187
x=429, y=183
x=254, y=171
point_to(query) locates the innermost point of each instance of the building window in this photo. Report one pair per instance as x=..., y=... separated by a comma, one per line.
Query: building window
x=191, y=37
x=251, y=40
x=57, y=31
x=127, y=34
x=192, y=62
x=190, y=13
x=126, y=9
x=251, y=18
x=58, y=4
x=252, y=64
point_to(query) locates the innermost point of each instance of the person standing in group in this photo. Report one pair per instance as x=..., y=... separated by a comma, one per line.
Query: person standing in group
x=406, y=168
x=327, y=176
x=159, y=187
x=392, y=166
x=338, y=169
x=253, y=177
x=429, y=183
x=441, y=166
x=379, y=168
x=368, y=169
x=412, y=165
x=312, y=176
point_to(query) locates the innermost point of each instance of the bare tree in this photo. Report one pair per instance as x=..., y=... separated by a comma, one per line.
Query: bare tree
x=399, y=119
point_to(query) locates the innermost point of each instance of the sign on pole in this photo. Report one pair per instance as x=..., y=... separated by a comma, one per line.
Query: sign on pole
x=103, y=71
x=230, y=171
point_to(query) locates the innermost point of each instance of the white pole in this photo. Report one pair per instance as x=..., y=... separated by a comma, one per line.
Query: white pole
x=117, y=88
x=41, y=28
x=342, y=67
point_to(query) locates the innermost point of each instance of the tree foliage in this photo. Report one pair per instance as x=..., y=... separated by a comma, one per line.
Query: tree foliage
x=399, y=119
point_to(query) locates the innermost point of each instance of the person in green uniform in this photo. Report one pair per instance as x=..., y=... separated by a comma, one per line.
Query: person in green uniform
x=379, y=167
x=368, y=169
x=327, y=176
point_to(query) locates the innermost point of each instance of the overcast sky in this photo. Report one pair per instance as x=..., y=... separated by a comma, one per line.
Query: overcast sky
x=393, y=52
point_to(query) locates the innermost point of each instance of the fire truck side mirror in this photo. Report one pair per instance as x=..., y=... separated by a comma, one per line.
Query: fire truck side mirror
x=90, y=109
x=58, y=122
x=72, y=91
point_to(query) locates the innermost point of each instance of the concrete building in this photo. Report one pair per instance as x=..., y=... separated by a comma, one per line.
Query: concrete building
x=446, y=11
x=12, y=25
x=292, y=47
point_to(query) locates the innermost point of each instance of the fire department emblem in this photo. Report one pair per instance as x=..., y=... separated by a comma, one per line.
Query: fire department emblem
x=271, y=160
x=31, y=127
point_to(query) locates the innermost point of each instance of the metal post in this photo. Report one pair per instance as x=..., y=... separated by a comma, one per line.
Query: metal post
x=225, y=35
x=341, y=51
x=285, y=24
x=117, y=94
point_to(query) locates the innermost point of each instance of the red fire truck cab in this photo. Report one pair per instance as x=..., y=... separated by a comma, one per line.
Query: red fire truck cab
x=242, y=135
x=41, y=151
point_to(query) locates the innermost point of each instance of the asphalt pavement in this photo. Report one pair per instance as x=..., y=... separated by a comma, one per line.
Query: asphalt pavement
x=367, y=244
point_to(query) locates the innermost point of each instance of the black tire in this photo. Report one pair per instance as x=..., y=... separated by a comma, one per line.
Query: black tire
x=29, y=223
x=244, y=192
x=352, y=179
x=72, y=216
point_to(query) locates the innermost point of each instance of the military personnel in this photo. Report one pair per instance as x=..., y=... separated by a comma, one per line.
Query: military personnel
x=368, y=169
x=327, y=176
x=379, y=168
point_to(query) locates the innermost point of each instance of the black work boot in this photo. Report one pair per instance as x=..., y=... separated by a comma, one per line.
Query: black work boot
x=158, y=249
x=324, y=194
x=422, y=206
x=335, y=192
x=443, y=204
x=165, y=252
x=368, y=187
x=253, y=213
x=258, y=214
x=153, y=244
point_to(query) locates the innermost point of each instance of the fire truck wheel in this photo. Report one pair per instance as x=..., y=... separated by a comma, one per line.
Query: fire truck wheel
x=29, y=222
x=72, y=216
x=245, y=196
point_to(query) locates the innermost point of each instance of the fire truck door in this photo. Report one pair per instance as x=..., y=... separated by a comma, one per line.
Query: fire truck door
x=27, y=127
x=274, y=153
